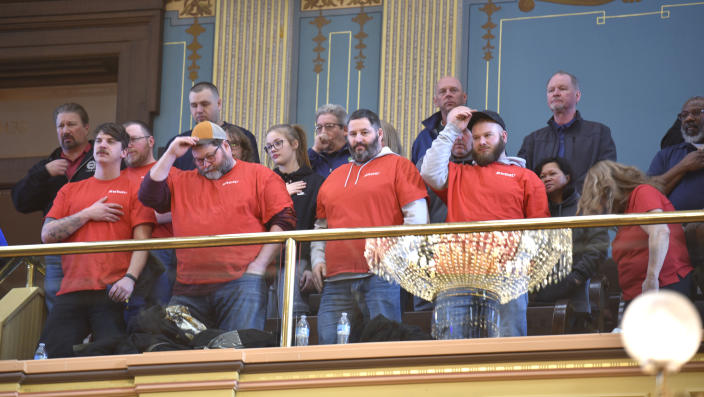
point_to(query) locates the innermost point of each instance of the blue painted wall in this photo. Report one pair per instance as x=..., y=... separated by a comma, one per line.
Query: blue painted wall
x=174, y=115
x=339, y=82
x=636, y=67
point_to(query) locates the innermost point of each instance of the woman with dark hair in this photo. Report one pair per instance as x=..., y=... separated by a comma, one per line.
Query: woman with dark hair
x=589, y=245
x=649, y=257
x=286, y=145
x=239, y=143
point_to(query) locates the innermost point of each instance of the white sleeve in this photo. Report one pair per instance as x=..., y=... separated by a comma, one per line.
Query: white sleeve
x=317, y=248
x=415, y=212
x=435, y=163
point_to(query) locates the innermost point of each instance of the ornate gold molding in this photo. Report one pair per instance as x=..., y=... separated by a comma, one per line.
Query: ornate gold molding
x=191, y=8
x=308, y=5
x=194, y=30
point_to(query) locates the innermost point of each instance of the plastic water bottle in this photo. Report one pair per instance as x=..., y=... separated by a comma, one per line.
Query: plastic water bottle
x=343, y=329
x=302, y=331
x=40, y=354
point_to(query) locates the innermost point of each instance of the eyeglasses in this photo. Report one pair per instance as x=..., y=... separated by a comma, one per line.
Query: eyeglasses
x=134, y=140
x=277, y=144
x=327, y=126
x=208, y=157
x=695, y=113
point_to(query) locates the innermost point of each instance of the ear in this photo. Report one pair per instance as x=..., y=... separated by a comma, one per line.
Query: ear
x=381, y=135
x=150, y=141
x=578, y=95
x=568, y=178
x=123, y=153
x=220, y=103
x=295, y=144
x=504, y=136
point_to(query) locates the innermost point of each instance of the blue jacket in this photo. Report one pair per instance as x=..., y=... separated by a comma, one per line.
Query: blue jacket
x=426, y=137
x=689, y=192
x=324, y=163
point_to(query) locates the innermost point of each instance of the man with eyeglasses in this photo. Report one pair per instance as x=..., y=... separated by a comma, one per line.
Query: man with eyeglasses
x=222, y=286
x=139, y=160
x=95, y=286
x=379, y=188
x=206, y=105
x=72, y=161
x=447, y=95
x=681, y=167
x=330, y=149
x=583, y=143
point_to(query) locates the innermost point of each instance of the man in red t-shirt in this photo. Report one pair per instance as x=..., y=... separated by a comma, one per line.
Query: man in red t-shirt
x=222, y=286
x=495, y=187
x=95, y=286
x=379, y=188
x=156, y=287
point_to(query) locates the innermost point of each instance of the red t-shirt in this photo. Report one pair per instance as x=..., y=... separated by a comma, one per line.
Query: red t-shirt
x=241, y=201
x=493, y=192
x=137, y=173
x=364, y=196
x=94, y=271
x=630, y=246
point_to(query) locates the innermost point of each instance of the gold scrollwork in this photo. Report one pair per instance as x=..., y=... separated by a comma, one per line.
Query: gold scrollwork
x=194, y=30
x=489, y=8
x=361, y=19
x=308, y=5
x=191, y=8
x=319, y=22
x=528, y=5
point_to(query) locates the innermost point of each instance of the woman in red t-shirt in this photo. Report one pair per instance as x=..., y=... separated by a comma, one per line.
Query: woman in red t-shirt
x=649, y=257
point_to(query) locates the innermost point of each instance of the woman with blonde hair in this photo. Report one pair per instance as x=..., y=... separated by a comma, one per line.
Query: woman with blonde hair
x=649, y=257
x=287, y=147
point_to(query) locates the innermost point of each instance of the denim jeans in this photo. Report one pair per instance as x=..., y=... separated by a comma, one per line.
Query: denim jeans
x=370, y=295
x=77, y=314
x=512, y=321
x=239, y=304
x=52, y=279
x=299, y=305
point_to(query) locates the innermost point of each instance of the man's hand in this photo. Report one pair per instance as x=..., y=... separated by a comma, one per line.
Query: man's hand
x=295, y=187
x=459, y=117
x=321, y=143
x=100, y=211
x=307, y=282
x=693, y=161
x=57, y=167
x=319, y=273
x=121, y=290
x=650, y=284
x=181, y=144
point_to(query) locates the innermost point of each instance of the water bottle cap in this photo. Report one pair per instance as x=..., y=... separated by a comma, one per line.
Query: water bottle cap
x=41, y=344
x=303, y=316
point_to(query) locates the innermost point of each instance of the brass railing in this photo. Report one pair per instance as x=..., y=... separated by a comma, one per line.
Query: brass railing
x=291, y=238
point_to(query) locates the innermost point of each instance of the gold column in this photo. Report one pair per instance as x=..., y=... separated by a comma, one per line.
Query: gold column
x=251, y=64
x=419, y=45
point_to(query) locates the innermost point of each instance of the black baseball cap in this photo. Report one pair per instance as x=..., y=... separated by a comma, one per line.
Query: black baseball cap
x=489, y=115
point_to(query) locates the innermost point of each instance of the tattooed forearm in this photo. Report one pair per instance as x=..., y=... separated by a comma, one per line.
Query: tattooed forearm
x=57, y=230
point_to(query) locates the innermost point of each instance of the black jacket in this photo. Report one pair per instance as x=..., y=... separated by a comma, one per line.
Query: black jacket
x=305, y=203
x=589, y=245
x=37, y=190
x=586, y=143
x=185, y=162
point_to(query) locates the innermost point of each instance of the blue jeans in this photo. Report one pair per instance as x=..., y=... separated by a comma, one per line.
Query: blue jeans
x=299, y=305
x=52, y=279
x=239, y=304
x=370, y=295
x=512, y=320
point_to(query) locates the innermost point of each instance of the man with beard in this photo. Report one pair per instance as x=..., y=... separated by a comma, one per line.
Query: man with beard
x=95, y=286
x=583, y=143
x=139, y=160
x=72, y=161
x=379, y=188
x=681, y=167
x=206, y=105
x=496, y=187
x=448, y=93
x=222, y=286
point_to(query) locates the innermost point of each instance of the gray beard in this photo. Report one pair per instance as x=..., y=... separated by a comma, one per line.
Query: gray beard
x=368, y=154
x=225, y=167
x=699, y=138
